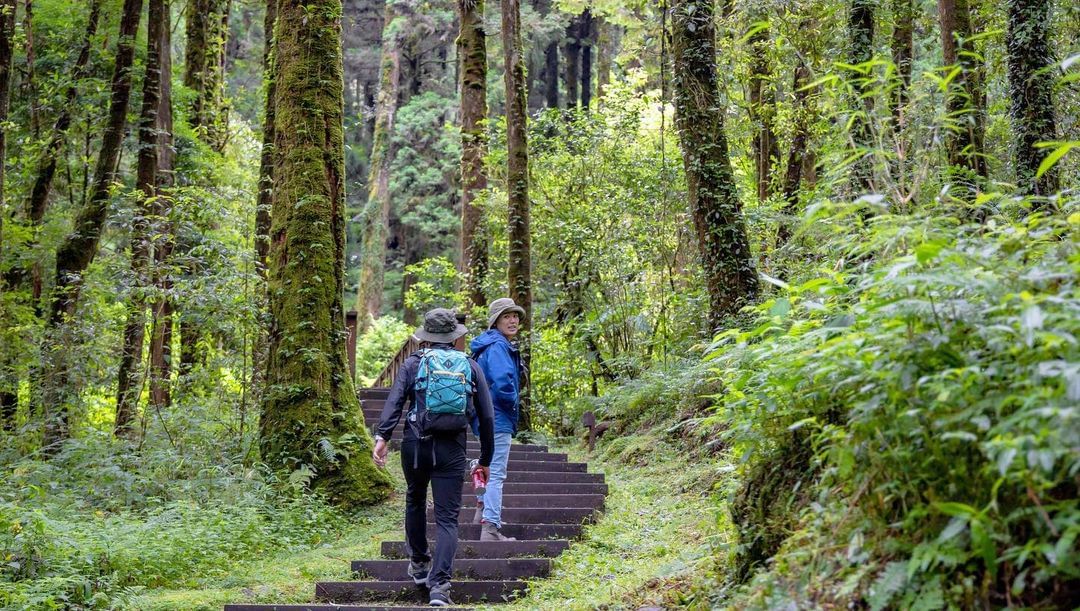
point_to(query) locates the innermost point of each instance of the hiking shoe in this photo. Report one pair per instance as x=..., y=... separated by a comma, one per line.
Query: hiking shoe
x=439, y=595
x=419, y=571
x=478, y=515
x=488, y=532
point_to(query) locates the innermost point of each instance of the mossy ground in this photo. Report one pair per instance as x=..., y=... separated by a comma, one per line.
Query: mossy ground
x=657, y=535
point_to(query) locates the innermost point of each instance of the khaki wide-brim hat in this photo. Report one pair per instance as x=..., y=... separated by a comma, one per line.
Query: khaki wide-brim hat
x=502, y=306
x=440, y=327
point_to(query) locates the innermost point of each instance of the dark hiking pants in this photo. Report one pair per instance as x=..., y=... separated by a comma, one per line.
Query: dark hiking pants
x=440, y=462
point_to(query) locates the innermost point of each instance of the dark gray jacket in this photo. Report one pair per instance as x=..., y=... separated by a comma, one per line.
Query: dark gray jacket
x=404, y=391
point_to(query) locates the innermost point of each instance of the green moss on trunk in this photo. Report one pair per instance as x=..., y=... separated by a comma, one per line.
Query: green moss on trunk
x=472, y=49
x=310, y=414
x=730, y=277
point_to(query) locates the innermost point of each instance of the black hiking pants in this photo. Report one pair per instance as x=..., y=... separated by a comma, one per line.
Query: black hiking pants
x=441, y=462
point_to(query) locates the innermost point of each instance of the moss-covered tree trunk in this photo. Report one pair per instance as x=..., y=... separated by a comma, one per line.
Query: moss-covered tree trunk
x=472, y=53
x=80, y=246
x=963, y=107
x=1031, y=92
x=572, y=62
x=310, y=414
x=375, y=219
x=587, y=34
x=129, y=384
x=519, y=278
x=903, y=54
x=730, y=277
x=207, y=35
x=264, y=199
x=766, y=147
x=800, y=139
x=8, y=380
x=861, y=51
x=161, y=319
x=607, y=45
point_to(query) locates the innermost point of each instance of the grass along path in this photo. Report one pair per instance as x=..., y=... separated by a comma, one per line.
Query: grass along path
x=651, y=540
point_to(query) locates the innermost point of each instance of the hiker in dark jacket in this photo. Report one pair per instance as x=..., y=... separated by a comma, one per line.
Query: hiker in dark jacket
x=435, y=458
x=501, y=362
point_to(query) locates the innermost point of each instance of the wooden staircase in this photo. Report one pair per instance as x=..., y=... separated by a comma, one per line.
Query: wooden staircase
x=546, y=502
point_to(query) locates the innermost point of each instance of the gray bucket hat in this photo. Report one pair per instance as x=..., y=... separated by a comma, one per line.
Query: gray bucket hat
x=501, y=306
x=440, y=327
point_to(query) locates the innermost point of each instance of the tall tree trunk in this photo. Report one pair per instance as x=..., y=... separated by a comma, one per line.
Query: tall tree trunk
x=266, y=161
x=587, y=37
x=204, y=68
x=572, y=62
x=129, y=384
x=793, y=173
x=375, y=218
x=730, y=277
x=264, y=202
x=519, y=279
x=762, y=107
x=903, y=54
x=551, y=75
x=80, y=246
x=8, y=380
x=964, y=136
x=161, y=320
x=29, y=87
x=1031, y=92
x=310, y=415
x=472, y=52
x=861, y=50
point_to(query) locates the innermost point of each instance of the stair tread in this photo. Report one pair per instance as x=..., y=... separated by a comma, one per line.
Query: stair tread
x=487, y=550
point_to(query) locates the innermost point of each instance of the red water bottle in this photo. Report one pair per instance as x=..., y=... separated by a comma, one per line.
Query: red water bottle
x=479, y=482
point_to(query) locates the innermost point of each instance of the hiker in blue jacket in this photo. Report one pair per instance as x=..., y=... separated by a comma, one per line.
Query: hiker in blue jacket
x=501, y=363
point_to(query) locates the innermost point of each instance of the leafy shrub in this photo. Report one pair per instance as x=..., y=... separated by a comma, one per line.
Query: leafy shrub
x=938, y=392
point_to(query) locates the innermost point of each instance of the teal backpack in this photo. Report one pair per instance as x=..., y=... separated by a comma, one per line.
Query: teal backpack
x=444, y=382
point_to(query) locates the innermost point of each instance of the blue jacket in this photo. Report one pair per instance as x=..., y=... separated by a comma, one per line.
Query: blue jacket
x=501, y=364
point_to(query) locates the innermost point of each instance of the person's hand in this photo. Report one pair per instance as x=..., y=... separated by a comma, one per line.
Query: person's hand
x=379, y=453
x=484, y=471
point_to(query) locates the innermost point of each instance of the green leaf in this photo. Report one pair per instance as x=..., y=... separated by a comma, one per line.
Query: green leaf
x=951, y=508
x=1050, y=160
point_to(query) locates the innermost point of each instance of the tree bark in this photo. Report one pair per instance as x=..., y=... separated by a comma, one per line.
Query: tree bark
x=204, y=68
x=375, y=218
x=586, y=33
x=80, y=246
x=8, y=380
x=472, y=52
x=903, y=54
x=310, y=414
x=963, y=101
x=266, y=161
x=29, y=87
x=519, y=279
x=551, y=75
x=572, y=62
x=129, y=385
x=861, y=35
x=793, y=172
x=1031, y=92
x=161, y=321
x=730, y=277
x=762, y=108
x=607, y=47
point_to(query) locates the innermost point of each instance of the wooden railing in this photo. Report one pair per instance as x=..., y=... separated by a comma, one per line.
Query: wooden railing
x=386, y=377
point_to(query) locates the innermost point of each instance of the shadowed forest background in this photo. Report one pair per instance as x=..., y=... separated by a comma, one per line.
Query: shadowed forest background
x=818, y=256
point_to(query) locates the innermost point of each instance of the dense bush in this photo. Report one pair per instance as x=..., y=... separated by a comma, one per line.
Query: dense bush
x=930, y=398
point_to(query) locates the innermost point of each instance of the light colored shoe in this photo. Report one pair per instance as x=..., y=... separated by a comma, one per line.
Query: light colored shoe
x=439, y=595
x=419, y=571
x=488, y=532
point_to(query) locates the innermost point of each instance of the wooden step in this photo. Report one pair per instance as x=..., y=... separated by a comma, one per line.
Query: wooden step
x=471, y=532
x=533, y=515
x=409, y=592
x=553, y=477
x=464, y=568
x=520, y=487
x=473, y=447
x=543, y=548
x=594, y=501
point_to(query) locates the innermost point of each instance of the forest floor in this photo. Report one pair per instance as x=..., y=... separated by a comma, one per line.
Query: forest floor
x=658, y=534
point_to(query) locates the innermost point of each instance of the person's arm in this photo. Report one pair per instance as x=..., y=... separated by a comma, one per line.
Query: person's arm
x=485, y=414
x=499, y=362
x=400, y=392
